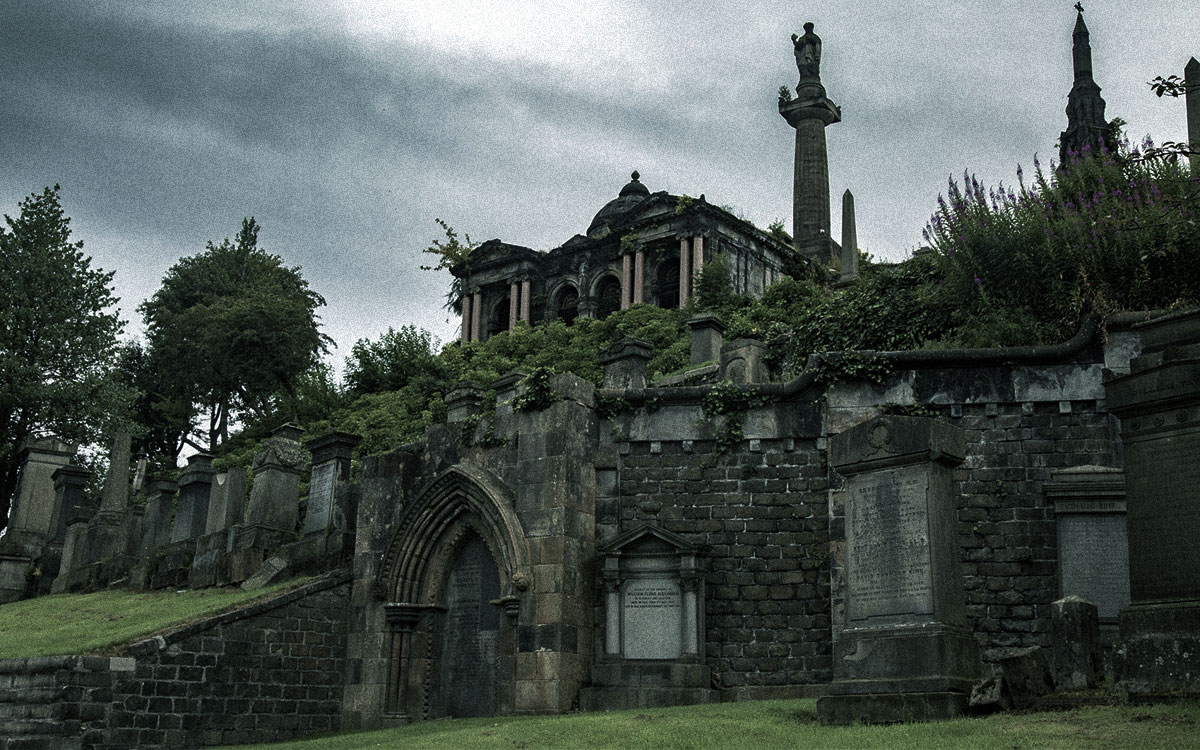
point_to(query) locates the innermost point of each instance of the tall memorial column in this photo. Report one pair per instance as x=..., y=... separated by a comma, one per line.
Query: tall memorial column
x=1158, y=403
x=810, y=113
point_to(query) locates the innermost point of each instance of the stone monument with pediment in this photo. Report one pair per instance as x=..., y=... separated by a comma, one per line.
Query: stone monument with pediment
x=903, y=651
x=653, y=624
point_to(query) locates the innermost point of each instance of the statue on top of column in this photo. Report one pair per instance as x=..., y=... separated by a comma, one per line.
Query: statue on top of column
x=808, y=53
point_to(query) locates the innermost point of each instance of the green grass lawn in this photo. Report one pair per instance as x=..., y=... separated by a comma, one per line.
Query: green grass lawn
x=88, y=623
x=787, y=724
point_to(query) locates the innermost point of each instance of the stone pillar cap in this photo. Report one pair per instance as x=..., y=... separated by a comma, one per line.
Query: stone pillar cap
x=288, y=431
x=627, y=348
x=706, y=320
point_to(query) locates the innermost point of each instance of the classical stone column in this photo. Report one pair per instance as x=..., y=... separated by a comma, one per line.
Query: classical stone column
x=697, y=254
x=526, y=286
x=466, y=318
x=477, y=316
x=513, y=304
x=685, y=270
x=626, y=280
x=810, y=113
x=639, y=276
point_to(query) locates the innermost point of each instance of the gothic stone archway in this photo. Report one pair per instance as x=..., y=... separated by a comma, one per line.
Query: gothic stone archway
x=454, y=576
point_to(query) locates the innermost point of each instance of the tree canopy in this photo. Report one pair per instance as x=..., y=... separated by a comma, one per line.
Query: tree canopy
x=58, y=334
x=231, y=330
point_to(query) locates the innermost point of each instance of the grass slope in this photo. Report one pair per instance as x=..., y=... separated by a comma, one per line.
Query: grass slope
x=787, y=724
x=87, y=623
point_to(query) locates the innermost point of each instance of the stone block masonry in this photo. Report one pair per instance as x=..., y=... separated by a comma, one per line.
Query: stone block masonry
x=272, y=671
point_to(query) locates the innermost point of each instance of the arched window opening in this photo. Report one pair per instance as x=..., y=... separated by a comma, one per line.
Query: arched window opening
x=498, y=320
x=608, y=297
x=567, y=308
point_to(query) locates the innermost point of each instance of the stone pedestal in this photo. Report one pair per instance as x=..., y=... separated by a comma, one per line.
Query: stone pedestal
x=1159, y=406
x=742, y=361
x=903, y=651
x=707, y=331
x=625, y=363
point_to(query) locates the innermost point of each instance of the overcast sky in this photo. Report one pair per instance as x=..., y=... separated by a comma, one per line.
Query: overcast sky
x=345, y=128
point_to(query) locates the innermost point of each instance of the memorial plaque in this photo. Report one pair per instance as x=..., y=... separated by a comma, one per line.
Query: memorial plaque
x=652, y=609
x=1163, y=480
x=320, y=497
x=887, y=542
x=1093, y=555
x=472, y=628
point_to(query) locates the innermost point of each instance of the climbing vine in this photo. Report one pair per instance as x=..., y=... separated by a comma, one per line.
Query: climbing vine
x=724, y=407
x=536, y=390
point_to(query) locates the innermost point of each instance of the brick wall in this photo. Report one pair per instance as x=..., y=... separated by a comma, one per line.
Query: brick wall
x=272, y=671
x=761, y=510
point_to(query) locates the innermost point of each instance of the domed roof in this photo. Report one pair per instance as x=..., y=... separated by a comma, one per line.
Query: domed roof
x=630, y=196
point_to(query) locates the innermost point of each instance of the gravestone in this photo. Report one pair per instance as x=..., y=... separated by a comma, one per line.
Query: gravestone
x=1093, y=545
x=30, y=517
x=210, y=563
x=329, y=494
x=191, y=508
x=903, y=652
x=743, y=361
x=707, y=332
x=1075, y=644
x=471, y=632
x=653, y=624
x=70, y=483
x=160, y=504
x=273, y=511
x=226, y=501
x=1158, y=403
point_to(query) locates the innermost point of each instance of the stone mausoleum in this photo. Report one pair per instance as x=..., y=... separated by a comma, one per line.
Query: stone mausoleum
x=641, y=247
x=884, y=546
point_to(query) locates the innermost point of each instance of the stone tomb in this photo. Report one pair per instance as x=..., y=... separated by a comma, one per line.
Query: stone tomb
x=1093, y=545
x=653, y=624
x=903, y=651
x=471, y=633
x=1159, y=406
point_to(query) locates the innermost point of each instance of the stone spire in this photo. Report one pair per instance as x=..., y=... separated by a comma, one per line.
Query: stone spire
x=809, y=113
x=1086, y=126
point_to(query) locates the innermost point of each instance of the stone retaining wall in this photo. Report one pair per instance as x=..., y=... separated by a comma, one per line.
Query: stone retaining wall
x=272, y=671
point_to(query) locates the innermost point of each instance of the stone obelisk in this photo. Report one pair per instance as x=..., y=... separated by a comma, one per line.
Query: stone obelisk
x=1191, y=78
x=809, y=113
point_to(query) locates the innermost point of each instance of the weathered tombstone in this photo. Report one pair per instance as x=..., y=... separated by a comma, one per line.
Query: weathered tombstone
x=226, y=501
x=227, y=495
x=1075, y=644
x=707, y=331
x=1158, y=403
x=653, y=624
x=70, y=482
x=329, y=496
x=1093, y=545
x=156, y=525
x=1026, y=676
x=74, y=548
x=273, y=511
x=30, y=517
x=625, y=363
x=191, y=509
x=904, y=652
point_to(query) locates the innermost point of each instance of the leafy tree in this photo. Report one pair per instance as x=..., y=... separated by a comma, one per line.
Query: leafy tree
x=231, y=330
x=451, y=253
x=58, y=334
x=391, y=362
